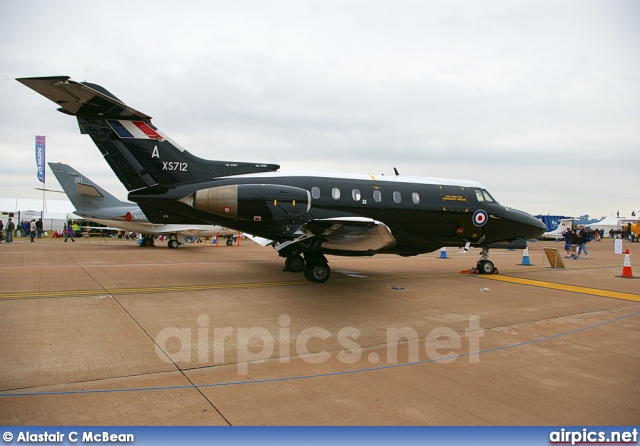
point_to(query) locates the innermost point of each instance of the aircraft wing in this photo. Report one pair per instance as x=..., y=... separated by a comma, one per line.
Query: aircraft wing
x=355, y=234
x=100, y=228
x=199, y=230
x=259, y=240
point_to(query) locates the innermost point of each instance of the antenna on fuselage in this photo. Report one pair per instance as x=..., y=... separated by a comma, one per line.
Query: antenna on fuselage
x=396, y=171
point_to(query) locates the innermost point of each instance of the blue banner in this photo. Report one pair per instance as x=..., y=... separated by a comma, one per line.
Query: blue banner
x=336, y=436
x=40, y=149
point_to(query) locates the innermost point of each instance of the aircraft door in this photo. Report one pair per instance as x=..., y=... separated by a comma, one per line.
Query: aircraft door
x=461, y=210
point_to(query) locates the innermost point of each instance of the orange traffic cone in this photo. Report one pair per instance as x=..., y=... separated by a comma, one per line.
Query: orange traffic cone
x=626, y=268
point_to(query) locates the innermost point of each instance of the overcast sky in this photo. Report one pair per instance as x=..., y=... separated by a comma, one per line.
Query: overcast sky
x=537, y=100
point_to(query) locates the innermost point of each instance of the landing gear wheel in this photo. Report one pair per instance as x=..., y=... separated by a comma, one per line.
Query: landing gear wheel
x=146, y=242
x=317, y=272
x=486, y=267
x=294, y=263
x=173, y=243
x=229, y=242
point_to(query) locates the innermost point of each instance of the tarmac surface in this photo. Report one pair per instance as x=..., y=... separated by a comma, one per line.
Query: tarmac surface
x=107, y=333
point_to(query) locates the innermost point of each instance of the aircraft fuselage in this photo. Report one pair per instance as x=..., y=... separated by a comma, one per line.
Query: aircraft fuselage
x=423, y=214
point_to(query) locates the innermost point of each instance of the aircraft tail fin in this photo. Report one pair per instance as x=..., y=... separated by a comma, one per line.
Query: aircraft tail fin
x=138, y=152
x=85, y=195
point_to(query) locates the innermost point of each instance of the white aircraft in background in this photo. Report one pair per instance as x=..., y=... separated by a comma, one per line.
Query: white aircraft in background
x=565, y=223
x=96, y=204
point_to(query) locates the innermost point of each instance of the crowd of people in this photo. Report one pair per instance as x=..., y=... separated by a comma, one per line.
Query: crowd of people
x=625, y=232
x=34, y=229
x=575, y=241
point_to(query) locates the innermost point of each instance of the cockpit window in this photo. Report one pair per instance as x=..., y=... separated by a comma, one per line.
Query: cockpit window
x=487, y=196
x=479, y=195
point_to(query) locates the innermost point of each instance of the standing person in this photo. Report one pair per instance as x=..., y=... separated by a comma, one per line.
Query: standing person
x=32, y=229
x=1, y=228
x=76, y=229
x=575, y=242
x=583, y=238
x=68, y=232
x=567, y=243
x=10, y=227
x=39, y=227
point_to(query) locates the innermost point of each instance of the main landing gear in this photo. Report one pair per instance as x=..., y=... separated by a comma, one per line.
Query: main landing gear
x=314, y=266
x=294, y=263
x=484, y=265
x=146, y=242
x=317, y=272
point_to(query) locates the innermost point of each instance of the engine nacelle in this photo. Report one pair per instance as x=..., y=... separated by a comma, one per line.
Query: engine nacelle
x=253, y=202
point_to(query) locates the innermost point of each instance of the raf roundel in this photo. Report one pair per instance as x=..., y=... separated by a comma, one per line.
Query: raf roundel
x=480, y=217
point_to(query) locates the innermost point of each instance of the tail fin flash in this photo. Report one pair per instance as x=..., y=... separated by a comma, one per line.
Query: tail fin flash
x=85, y=195
x=139, y=153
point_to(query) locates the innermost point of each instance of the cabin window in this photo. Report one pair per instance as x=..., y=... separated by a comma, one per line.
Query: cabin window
x=479, y=195
x=335, y=193
x=415, y=197
x=355, y=193
x=315, y=192
x=397, y=198
x=377, y=196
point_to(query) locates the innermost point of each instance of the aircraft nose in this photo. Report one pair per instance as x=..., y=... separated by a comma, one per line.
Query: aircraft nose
x=534, y=227
x=527, y=226
x=540, y=225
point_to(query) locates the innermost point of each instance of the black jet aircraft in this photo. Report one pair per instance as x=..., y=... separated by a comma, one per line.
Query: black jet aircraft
x=303, y=215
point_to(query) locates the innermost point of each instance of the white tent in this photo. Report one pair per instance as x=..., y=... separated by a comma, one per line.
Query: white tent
x=606, y=224
x=56, y=212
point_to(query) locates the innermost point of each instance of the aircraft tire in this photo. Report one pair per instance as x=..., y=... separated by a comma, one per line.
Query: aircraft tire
x=173, y=243
x=294, y=263
x=229, y=242
x=486, y=267
x=317, y=272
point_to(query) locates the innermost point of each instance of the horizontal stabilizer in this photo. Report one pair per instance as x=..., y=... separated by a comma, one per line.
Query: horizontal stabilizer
x=81, y=99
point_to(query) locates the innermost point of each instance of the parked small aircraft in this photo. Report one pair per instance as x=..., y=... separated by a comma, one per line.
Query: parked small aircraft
x=96, y=204
x=303, y=215
x=558, y=233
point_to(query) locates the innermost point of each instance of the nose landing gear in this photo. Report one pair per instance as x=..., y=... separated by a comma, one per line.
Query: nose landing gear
x=484, y=265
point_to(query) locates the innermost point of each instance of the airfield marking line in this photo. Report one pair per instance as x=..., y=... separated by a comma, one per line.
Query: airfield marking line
x=103, y=291
x=564, y=287
x=143, y=290
x=8, y=393
x=229, y=286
